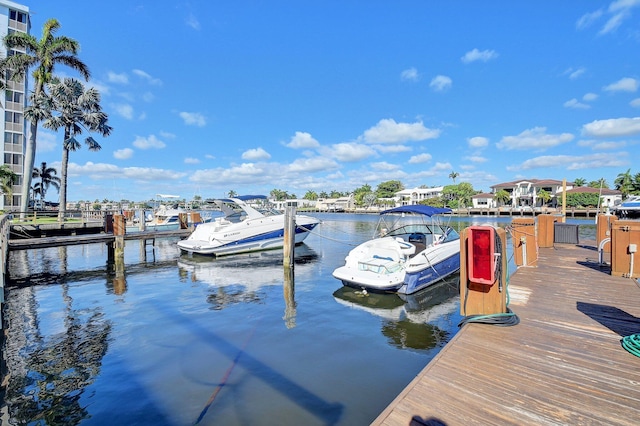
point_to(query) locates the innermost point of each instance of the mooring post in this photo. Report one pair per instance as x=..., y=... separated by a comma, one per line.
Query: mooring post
x=289, y=234
x=141, y=220
x=119, y=230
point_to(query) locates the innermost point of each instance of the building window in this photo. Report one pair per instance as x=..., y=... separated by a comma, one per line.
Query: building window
x=14, y=15
x=13, y=138
x=12, y=117
x=12, y=96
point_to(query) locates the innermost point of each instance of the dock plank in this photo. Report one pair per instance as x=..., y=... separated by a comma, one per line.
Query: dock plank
x=44, y=242
x=563, y=364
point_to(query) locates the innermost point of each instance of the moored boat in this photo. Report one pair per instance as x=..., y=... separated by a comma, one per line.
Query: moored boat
x=244, y=229
x=412, y=249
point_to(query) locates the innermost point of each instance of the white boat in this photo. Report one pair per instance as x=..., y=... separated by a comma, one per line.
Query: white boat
x=166, y=217
x=411, y=250
x=629, y=208
x=244, y=228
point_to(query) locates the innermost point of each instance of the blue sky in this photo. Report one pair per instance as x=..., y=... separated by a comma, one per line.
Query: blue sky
x=209, y=96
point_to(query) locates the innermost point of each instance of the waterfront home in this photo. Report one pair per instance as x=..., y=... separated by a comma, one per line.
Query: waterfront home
x=524, y=193
x=484, y=201
x=335, y=204
x=417, y=195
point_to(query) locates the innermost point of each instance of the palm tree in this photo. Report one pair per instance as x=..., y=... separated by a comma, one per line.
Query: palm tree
x=7, y=179
x=503, y=197
x=232, y=194
x=624, y=183
x=44, y=55
x=580, y=182
x=454, y=175
x=47, y=176
x=74, y=109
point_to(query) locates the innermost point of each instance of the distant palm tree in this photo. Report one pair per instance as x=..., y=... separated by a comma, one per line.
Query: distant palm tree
x=580, y=182
x=232, y=194
x=454, y=175
x=75, y=109
x=47, y=176
x=7, y=179
x=44, y=55
x=624, y=183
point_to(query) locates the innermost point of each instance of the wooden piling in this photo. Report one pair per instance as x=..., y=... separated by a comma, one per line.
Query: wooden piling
x=288, y=245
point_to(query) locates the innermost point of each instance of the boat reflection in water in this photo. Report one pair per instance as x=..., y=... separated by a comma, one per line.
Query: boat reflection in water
x=239, y=278
x=411, y=320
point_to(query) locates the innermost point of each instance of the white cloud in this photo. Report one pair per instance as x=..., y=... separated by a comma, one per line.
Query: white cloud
x=478, y=142
x=46, y=141
x=477, y=159
x=575, y=104
x=626, y=84
x=388, y=131
x=589, y=97
x=104, y=171
x=123, y=110
x=192, y=22
x=349, y=151
x=255, y=154
x=441, y=83
x=410, y=74
x=145, y=76
x=311, y=165
x=123, y=154
x=245, y=173
x=193, y=119
x=391, y=149
x=442, y=167
x=574, y=74
x=635, y=103
x=303, y=140
x=191, y=160
x=148, y=143
x=612, y=127
x=535, y=138
x=588, y=19
x=477, y=55
x=420, y=158
x=384, y=166
x=572, y=162
x=113, y=77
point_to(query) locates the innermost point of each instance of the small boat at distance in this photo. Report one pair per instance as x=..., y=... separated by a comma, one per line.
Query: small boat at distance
x=244, y=229
x=411, y=250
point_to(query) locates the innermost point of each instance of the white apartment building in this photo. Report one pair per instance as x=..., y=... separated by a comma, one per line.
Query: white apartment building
x=14, y=17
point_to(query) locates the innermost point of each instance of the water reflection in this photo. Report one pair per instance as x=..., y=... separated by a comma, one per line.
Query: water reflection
x=47, y=374
x=239, y=279
x=410, y=320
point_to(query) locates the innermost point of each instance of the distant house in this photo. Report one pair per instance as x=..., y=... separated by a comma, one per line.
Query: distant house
x=608, y=198
x=524, y=193
x=416, y=195
x=300, y=203
x=335, y=204
x=484, y=201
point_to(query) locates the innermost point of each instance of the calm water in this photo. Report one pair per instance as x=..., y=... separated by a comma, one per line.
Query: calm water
x=183, y=340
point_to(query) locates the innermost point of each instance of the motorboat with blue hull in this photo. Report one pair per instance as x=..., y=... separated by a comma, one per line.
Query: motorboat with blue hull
x=412, y=249
x=244, y=228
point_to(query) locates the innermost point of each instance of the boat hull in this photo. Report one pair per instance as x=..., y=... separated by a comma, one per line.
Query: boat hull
x=420, y=279
x=270, y=240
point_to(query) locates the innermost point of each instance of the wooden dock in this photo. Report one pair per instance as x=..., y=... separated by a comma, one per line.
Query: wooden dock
x=44, y=242
x=562, y=365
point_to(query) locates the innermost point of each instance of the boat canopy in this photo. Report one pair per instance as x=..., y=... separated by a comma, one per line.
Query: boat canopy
x=418, y=209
